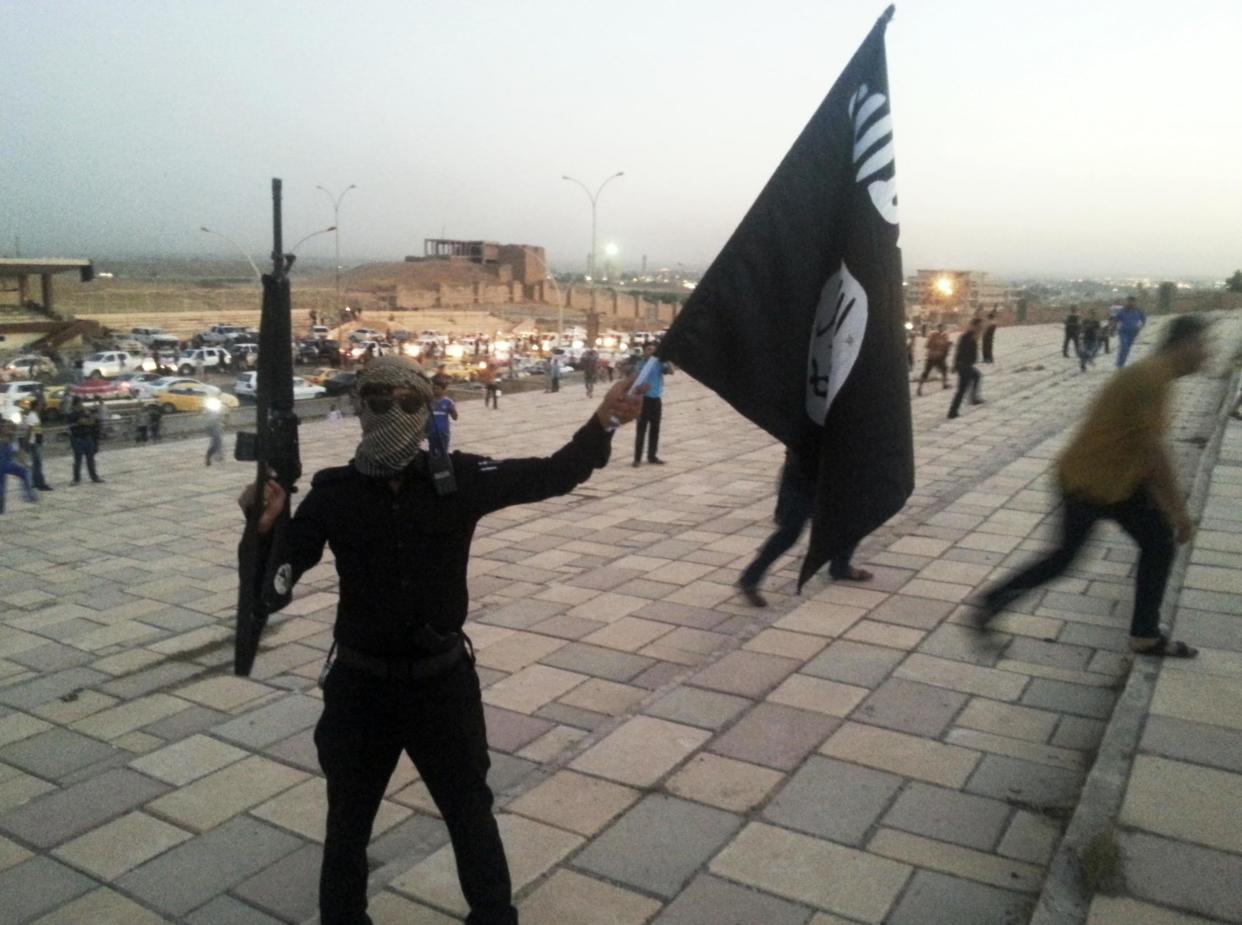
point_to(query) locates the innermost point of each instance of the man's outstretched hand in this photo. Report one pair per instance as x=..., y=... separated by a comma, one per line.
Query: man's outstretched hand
x=619, y=407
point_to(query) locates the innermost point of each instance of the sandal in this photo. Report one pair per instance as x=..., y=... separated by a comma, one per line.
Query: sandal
x=1165, y=647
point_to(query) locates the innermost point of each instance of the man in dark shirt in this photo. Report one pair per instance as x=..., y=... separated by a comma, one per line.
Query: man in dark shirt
x=964, y=360
x=404, y=677
x=84, y=434
x=1071, y=332
x=989, y=337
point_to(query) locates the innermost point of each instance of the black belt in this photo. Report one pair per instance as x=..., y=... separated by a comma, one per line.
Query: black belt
x=408, y=669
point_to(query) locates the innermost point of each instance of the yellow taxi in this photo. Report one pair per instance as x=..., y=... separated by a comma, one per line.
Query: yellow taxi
x=320, y=375
x=188, y=397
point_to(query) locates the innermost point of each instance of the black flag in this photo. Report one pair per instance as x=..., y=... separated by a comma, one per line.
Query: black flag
x=799, y=322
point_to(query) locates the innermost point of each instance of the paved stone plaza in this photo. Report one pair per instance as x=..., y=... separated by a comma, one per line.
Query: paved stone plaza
x=662, y=752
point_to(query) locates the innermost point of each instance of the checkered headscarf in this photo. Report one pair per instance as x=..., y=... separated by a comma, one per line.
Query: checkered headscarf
x=390, y=441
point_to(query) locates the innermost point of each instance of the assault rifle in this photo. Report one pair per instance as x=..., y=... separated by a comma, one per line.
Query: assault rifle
x=263, y=569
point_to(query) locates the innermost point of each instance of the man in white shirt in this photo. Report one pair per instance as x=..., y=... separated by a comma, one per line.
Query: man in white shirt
x=32, y=444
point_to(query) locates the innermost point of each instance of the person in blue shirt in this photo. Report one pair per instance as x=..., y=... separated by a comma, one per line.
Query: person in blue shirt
x=649, y=419
x=1130, y=321
x=443, y=409
x=9, y=464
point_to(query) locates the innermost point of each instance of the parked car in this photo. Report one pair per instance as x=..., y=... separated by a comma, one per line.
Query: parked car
x=146, y=336
x=357, y=335
x=319, y=375
x=220, y=334
x=164, y=383
x=12, y=394
x=247, y=384
x=359, y=349
x=210, y=358
x=320, y=330
x=194, y=398
x=140, y=384
x=109, y=363
x=31, y=366
x=339, y=383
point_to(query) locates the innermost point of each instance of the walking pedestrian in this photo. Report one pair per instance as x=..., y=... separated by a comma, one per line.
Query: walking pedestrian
x=1071, y=332
x=648, y=427
x=404, y=678
x=84, y=433
x=964, y=360
x=554, y=373
x=32, y=442
x=1118, y=468
x=9, y=464
x=936, y=357
x=443, y=412
x=795, y=500
x=590, y=371
x=155, y=415
x=491, y=388
x=989, y=336
x=1090, y=344
x=1130, y=320
x=215, y=430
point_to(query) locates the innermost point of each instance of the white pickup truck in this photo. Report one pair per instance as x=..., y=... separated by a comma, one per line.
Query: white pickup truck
x=222, y=333
x=210, y=357
x=109, y=363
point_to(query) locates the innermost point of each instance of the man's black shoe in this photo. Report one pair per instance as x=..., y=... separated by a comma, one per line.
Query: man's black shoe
x=656, y=462
x=43, y=488
x=952, y=415
x=97, y=480
x=752, y=595
x=993, y=602
x=637, y=463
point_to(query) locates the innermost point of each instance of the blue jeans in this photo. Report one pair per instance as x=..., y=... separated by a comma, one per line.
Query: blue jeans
x=7, y=468
x=1125, y=340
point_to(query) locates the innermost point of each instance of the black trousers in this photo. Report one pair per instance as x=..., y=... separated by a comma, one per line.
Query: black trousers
x=367, y=722
x=968, y=378
x=1146, y=524
x=648, y=429
x=83, y=449
x=1071, y=337
x=790, y=523
x=492, y=396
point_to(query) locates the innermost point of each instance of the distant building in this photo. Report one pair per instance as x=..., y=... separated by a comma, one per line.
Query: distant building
x=958, y=292
x=522, y=263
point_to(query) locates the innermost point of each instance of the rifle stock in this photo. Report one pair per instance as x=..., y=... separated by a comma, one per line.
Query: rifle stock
x=264, y=574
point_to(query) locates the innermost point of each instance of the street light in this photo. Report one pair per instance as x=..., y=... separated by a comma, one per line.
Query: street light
x=249, y=259
x=294, y=249
x=336, y=224
x=594, y=197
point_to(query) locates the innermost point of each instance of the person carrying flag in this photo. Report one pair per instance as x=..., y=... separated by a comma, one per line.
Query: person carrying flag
x=795, y=503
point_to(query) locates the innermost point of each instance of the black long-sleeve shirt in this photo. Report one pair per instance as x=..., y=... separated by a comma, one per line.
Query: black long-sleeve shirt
x=402, y=555
x=967, y=354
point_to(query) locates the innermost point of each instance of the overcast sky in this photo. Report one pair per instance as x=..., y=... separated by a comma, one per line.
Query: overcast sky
x=1057, y=136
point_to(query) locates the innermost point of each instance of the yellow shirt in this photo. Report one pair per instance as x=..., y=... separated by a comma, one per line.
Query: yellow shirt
x=1110, y=455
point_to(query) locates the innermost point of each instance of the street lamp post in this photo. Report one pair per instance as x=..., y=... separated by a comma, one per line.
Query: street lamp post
x=336, y=224
x=594, y=197
x=220, y=234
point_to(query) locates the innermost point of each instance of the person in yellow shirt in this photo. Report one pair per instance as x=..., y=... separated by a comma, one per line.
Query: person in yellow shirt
x=1118, y=468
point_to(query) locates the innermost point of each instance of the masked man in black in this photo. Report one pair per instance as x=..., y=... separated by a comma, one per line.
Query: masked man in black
x=404, y=677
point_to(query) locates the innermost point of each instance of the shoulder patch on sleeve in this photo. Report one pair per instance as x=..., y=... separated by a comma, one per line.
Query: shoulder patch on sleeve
x=334, y=474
